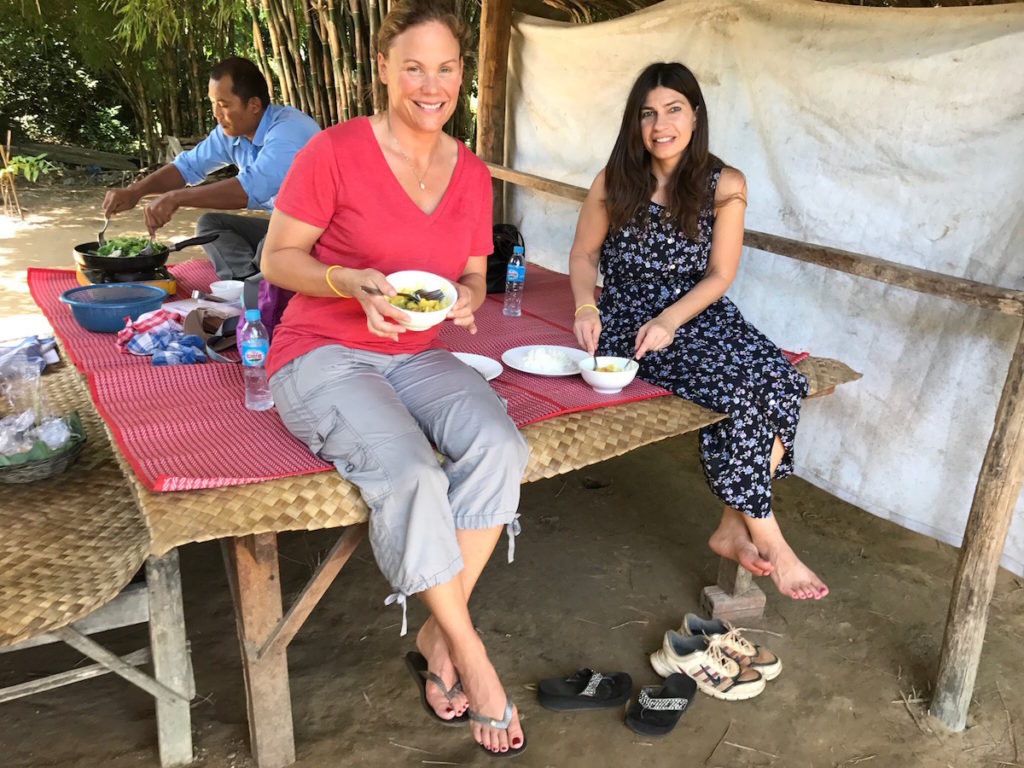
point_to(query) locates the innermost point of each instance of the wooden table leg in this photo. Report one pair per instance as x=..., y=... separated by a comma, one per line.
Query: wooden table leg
x=171, y=663
x=256, y=588
x=735, y=597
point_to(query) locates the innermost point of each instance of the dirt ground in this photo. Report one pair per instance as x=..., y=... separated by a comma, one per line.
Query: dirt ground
x=610, y=557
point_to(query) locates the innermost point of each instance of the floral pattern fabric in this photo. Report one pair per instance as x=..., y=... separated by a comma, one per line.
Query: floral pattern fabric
x=718, y=360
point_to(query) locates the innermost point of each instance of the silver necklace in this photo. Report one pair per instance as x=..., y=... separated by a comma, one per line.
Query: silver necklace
x=398, y=146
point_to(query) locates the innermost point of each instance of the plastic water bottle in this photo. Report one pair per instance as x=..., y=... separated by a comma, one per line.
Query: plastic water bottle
x=255, y=342
x=514, y=279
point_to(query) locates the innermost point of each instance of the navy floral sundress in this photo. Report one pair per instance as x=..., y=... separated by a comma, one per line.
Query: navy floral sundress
x=718, y=360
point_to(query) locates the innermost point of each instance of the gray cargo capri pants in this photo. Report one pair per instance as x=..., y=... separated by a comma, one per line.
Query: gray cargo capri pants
x=374, y=416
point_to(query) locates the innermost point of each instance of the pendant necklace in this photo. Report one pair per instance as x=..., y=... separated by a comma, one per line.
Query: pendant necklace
x=398, y=146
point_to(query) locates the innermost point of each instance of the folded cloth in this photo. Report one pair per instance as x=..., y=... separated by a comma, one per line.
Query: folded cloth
x=181, y=350
x=149, y=323
x=794, y=357
x=35, y=350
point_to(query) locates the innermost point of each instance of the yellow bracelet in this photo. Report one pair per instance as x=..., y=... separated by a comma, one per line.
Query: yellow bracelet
x=584, y=306
x=327, y=277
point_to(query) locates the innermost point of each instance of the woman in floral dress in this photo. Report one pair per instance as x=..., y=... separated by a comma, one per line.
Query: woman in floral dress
x=664, y=222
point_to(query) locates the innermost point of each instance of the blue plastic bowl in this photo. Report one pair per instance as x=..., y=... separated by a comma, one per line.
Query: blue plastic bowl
x=103, y=308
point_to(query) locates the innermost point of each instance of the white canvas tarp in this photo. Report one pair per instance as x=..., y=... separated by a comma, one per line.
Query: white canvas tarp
x=898, y=134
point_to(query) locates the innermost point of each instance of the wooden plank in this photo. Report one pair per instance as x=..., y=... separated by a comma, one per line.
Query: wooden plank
x=113, y=662
x=991, y=297
x=1005, y=300
x=541, y=184
x=255, y=582
x=171, y=665
x=991, y=512
x=59, y=680
x=131, y=606
x=64, y=153
x=315, y=588
x=492, y=74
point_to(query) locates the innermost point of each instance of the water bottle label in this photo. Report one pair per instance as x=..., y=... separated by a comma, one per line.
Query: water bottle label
x=515, y=274
x=254, y=353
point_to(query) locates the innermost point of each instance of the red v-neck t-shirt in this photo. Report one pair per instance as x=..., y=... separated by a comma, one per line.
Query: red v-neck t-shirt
x=341, y=182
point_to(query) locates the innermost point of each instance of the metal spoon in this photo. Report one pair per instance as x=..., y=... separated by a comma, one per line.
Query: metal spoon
x=99, y=238
x=417, y=296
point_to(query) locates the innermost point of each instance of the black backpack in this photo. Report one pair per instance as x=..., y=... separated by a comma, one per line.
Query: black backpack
x=506, y=237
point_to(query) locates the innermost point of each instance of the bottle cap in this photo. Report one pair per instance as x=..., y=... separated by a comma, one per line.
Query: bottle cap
x=517, y=249
x=252, y=315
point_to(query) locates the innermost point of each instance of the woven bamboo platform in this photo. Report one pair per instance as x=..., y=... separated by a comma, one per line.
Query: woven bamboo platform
x=324, y=500
x=71, y=544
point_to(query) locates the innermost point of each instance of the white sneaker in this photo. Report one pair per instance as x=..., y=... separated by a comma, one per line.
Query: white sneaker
x=705, y=661
x=736, y=647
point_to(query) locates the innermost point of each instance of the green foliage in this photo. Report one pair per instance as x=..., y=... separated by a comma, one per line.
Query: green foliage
x=30, y=166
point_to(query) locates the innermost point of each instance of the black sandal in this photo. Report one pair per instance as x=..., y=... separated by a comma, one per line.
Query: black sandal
x=659, y=707
x=586, y=689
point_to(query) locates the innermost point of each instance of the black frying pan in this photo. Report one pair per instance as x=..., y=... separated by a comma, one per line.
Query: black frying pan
x=85, y=256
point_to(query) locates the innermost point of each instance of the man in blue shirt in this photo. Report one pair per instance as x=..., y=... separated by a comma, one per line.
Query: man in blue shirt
x=258, y=137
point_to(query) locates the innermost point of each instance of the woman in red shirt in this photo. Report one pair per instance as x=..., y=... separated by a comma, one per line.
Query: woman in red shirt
x=363, y=199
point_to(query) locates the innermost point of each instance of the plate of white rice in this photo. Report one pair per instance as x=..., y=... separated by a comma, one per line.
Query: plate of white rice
x=544, y=359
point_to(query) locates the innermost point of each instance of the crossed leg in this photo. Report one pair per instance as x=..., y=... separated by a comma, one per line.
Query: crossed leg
x=759, y=546
x=450, y=632
x=476, y=547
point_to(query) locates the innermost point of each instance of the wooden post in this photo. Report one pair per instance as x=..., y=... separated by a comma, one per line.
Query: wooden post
x=492, y=71
x=256, y=588
x=171, y=664
x=991, y=512
x=735, y=597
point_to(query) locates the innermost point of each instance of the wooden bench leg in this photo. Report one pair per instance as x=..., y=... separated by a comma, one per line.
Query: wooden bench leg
x=256, y=589
x=735, y=597
x=171, y=664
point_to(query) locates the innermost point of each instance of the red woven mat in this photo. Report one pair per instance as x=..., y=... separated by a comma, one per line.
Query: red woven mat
x=186, y=427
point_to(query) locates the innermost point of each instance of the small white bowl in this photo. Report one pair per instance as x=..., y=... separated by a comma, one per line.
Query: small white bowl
x=409, y=280
x=229, y=290
x=608, y=382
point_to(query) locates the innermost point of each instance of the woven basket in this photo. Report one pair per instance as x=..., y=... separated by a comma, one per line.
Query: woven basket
x=41, y=469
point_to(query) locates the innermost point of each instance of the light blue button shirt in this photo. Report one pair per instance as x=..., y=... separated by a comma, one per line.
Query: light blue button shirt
x=262, y=163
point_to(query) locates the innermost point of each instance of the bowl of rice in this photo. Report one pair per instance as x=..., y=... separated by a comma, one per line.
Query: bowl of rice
x=610, y=374
x=424, y=314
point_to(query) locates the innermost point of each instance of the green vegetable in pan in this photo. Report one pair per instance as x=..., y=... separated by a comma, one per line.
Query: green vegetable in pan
x=125, y=247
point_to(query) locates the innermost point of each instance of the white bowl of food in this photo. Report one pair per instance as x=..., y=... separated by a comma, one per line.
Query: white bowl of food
x=610, y=374
x=422, y=314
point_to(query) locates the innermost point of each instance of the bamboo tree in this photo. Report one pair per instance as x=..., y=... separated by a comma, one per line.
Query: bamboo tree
x=291, y=43
x=331, y=76
x=377, y=90
x=280, y=59
x=359, y=54
x=314, y=54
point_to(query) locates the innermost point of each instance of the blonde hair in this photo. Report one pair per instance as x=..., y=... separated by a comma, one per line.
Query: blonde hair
x=405, y=14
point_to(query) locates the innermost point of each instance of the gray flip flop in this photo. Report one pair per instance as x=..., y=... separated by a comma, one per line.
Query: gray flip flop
x=499, y=725
x=417, y=665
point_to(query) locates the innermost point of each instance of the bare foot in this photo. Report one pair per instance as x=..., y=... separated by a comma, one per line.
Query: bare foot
x=732, y=540
x=431, y=643
x=488, y=700
x=794, y=579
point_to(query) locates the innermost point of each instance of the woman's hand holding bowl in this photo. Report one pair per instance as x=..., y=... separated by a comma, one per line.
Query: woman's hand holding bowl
x=461, y=312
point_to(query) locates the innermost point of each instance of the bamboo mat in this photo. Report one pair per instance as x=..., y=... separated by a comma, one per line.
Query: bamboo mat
x=308, y=502
x=69, y=544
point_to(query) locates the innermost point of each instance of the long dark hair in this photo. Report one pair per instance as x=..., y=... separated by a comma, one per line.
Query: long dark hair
x=629, y=182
